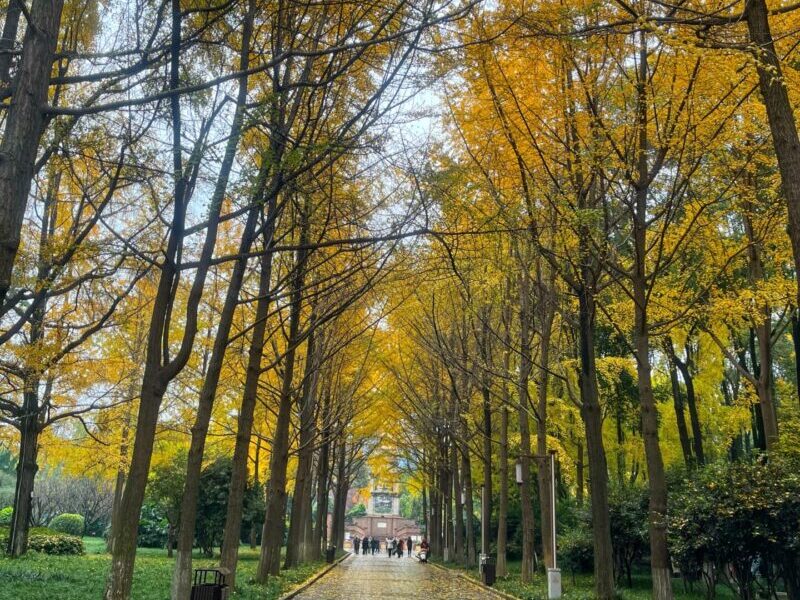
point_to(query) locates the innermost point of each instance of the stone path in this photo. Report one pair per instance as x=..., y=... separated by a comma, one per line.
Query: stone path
x=382, y=577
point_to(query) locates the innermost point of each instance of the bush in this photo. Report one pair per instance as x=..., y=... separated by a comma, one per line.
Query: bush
x=576, y=550
x=153, y=526
x=628, y=515
x=739, y=524
x=68, y=523
x=47, y=541
x=57, y=543
x=5, y=515
x=359, y=510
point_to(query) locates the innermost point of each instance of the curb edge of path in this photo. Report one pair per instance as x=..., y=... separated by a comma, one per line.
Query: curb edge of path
x=315, y=577
x=475, y=582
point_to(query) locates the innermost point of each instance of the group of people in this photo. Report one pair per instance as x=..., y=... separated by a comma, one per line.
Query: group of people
x=369, y=545
x=394, y=546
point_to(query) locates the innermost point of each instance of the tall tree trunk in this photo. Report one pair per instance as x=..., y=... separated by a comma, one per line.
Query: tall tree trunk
x=458, y=491
x=229, y=555
x=525, y=495
x=301, y=496
x=659, y=554
x=447, y=509
x=10, y=26
x=546, y=310
x=677, y=401
x=691, y=401
x=786, y=143
x=593, y=423
x=271, y=539
x=29, y=418
x=425, y=515
x=340, y=498
x=122, y=467
x=256, y=486
x=466, y=471
x=796, y=345
x=182, y=571
x=159, y=369
x=322, y=482
x=579, y=466
x=27, y=466
x=486, y=495
x=24, y=125
x=486, y=391
x=502, y=508
x=763, y=334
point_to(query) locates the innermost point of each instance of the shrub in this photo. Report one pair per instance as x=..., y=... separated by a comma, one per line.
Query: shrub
x=68, y=523
x=739, y=524
x=47, y=541
x=153, y=526
x=359, y=510
x=576, y=550
x=57, y=543
x=5, y=515
x=628, y=516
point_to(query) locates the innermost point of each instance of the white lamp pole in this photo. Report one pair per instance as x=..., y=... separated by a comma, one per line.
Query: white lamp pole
x=554, y=574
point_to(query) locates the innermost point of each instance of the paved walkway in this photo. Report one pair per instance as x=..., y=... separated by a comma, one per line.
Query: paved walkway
x=391, y=578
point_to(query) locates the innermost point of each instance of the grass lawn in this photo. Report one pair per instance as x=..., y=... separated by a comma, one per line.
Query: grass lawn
x=37, y=576
x=581, y=586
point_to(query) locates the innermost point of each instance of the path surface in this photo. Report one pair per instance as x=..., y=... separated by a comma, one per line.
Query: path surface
x=382, y=577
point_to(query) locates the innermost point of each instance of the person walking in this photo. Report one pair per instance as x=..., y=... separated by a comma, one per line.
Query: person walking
x=409, y=546
x=376, y=545
x=356, y=544
x=365, y=545
x=400, y=548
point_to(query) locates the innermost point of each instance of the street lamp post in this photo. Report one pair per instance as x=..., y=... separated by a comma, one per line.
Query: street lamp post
x=554, y=573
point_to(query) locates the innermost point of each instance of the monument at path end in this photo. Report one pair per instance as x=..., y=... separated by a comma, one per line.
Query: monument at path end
x=383, y=515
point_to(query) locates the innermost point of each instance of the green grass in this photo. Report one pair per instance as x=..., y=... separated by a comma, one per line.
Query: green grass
x=36, y=576
x=581, y=586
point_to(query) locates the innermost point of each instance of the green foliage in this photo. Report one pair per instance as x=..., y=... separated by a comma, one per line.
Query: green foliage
x=576, y=550
x=212, y=504
x=56, y=544
x=68, y=523
x=6, y=514
x=153, y=526
x=47, y=541
x=359, y=510
x=742, y=519
x=253, y=511
x=628, y=512
x=37, y=576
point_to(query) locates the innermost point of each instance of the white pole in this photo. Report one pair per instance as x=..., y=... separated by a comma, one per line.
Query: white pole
x=553, y=502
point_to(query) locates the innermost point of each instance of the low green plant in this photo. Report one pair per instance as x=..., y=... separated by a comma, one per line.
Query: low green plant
x=68, y=523
x=57, y=544
x=576, y=549
x=5, y=515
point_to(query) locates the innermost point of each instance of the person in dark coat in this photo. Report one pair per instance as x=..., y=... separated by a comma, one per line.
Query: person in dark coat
x=365, y=545
x=356, y=544
x=400, y=548
x=409, y=546
x=376, y=546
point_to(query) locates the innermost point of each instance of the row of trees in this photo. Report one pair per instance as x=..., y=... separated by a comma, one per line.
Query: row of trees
x=191, y=227
x=634, y=307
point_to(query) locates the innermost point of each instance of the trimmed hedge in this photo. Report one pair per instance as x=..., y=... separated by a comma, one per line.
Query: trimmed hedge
x=58, y=544
x=68, y=523
x=47, y=541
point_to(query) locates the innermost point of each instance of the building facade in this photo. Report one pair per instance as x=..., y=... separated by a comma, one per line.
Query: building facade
x=383, y=518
